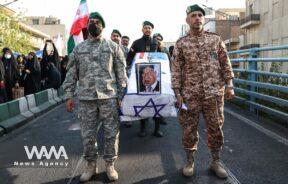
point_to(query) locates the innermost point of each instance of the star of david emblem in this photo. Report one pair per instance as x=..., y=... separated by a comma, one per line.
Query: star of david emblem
x=149, y=104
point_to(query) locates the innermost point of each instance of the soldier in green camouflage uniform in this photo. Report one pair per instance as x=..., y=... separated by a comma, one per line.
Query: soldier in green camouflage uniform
x=99, y=65
x=200, y=70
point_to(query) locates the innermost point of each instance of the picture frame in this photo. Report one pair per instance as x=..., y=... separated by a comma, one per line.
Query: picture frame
x=148, y=76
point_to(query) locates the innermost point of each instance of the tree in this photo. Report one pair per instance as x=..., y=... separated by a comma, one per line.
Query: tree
x=12, y=35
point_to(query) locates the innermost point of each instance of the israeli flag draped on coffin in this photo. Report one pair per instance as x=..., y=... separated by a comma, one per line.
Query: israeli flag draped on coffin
x=149, y=92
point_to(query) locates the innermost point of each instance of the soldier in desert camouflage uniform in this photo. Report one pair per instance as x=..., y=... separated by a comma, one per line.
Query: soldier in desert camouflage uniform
x=99, y=65
x=200, y=71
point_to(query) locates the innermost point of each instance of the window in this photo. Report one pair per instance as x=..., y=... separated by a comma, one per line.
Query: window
x=234, y=17
x=35, y=21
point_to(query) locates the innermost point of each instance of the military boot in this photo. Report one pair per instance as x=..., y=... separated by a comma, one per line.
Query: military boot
x=163, y=121
x=216, y=165
x=188, y=170
x=128, y=124
x=157, y=132
x=91, y=169
x=111, y=172
x=142, y=128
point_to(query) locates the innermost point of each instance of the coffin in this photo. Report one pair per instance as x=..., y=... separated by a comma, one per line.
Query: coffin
x=149, y=92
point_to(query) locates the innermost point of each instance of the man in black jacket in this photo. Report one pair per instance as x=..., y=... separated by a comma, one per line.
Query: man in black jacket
x=145, y=44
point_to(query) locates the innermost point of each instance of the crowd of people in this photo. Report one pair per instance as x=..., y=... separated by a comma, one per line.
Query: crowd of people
x=34, y=74
x=31, y=73
x=201, y=75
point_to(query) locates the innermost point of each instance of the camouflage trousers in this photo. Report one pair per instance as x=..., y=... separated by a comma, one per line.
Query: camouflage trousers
x=212, y=110
x=93, y=114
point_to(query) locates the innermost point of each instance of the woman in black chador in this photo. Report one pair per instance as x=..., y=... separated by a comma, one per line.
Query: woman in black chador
x=33, y=74
x=11, y=76
x=50, y=56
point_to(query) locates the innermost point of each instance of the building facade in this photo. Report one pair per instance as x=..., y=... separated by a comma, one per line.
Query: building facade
x=226, y=23
x=51, y=26
x=37, y=38
x=265, y=24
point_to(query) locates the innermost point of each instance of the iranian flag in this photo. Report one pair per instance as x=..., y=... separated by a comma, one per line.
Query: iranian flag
x=80, y=23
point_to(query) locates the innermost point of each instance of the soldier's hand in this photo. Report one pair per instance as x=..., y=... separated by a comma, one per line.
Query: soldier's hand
x=229, y=93
x=119, y=103
x=179, y=101
x=69, y=105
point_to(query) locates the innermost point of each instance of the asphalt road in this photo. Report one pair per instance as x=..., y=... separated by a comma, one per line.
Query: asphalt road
x=254, y=152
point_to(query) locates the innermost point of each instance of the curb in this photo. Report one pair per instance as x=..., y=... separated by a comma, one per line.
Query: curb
x=17, y=113
x=50, y=97
x=32, y=105
x=24, y=110
x=15, y=118
x=61, y=93
x=55, y=96
x=42, y=101
x=2, y=131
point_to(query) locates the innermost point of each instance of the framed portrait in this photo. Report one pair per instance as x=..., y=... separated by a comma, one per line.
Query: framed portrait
x=148, y=78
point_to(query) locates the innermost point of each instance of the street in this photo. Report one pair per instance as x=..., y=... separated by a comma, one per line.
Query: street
x=250, y=155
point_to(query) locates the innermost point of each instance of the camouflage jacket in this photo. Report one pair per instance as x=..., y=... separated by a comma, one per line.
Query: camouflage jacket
x=200, y=64
x=100, y=68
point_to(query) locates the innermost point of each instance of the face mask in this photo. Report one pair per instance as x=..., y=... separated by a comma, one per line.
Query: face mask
x=7, y=56
x=94, y=30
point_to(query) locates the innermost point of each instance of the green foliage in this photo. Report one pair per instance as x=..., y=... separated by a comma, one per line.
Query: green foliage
x=12, y=36
x=275, y=67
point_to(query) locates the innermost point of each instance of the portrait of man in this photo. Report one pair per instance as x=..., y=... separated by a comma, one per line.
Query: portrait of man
x=149, y=78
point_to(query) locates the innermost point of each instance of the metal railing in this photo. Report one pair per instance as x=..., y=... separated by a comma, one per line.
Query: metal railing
x=251, y=17
x=254, y=90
